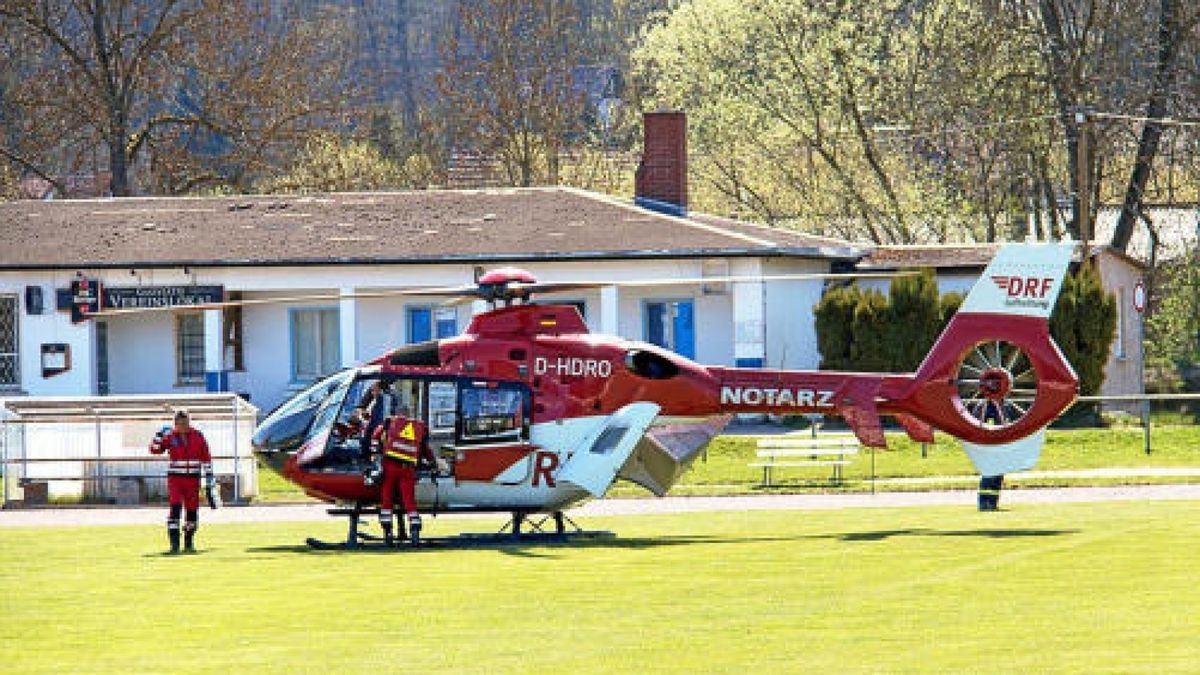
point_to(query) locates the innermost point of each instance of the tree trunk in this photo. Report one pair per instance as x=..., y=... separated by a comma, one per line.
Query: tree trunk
x=1065, y=92
x=408, y=101
x=118, y=164
x=1164, y=78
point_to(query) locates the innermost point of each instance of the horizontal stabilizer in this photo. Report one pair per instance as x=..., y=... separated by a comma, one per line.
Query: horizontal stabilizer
x=995, y=460
x=917, y=430
x=855, y=401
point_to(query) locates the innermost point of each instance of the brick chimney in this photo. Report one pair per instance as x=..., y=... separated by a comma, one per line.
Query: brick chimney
x=661, y=180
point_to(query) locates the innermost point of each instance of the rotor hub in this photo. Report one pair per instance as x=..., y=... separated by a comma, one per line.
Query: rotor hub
x=995, y=383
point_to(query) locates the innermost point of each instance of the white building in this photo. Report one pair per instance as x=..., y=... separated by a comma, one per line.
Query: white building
x=336, y=247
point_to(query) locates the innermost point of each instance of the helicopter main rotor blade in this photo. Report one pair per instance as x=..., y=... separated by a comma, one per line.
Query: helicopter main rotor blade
x=459, y=295
x=566, y=286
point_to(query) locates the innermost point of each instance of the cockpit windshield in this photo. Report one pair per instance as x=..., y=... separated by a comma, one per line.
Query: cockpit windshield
x=288, y=425
x=340, y=437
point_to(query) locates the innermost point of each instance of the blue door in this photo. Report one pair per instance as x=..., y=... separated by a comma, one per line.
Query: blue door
x=685, y=331
x=420, y=324
x=671, y=324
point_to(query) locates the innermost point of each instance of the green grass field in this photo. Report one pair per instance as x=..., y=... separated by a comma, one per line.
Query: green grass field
x=725, y=467
x=728, y=457
x=1079, y=588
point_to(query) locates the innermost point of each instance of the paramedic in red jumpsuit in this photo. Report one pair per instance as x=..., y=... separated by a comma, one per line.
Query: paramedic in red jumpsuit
x=403, y=443
x=189, y=458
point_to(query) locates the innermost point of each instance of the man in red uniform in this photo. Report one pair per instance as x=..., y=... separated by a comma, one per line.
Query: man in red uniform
x=403, y=444
x=189, y=458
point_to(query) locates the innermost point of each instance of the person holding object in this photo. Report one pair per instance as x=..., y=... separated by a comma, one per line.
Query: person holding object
x=189, y=458
x=403, y=444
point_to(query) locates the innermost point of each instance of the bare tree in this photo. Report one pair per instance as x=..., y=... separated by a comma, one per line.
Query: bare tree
x=508, y=82
x=204, y=88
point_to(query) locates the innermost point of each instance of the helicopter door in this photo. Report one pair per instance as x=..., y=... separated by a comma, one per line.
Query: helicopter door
x=594, y=468
x=492, y=443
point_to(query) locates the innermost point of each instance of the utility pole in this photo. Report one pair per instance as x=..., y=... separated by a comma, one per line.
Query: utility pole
x=1083, y=166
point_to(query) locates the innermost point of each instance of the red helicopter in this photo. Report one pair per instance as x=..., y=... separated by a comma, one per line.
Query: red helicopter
x=530, y=414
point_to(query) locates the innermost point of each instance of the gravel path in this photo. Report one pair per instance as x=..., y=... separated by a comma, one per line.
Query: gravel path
x=84, y=516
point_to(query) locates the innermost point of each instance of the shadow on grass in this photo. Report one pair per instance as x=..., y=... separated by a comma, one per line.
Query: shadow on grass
x=881, y=535
x=525, y=548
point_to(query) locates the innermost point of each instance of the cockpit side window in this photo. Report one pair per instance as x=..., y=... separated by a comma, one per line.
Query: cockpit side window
x=443, y=407
x=493, y=412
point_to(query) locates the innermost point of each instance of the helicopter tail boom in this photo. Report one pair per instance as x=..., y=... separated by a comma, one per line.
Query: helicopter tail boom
x=994, y=378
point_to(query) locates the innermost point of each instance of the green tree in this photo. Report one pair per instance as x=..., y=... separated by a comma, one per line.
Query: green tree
x=330, y=164
x=914, y=319
x=1172, y=338
x=834, y=318
x=870, y=349
x=1084, y=324
x=846, y=117
x=948, y=306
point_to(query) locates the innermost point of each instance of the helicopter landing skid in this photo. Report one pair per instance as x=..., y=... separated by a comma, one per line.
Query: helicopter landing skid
x=552, y=528
x=355, y=538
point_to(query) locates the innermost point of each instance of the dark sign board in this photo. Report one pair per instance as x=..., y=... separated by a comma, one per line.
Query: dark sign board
x=56, y=358
x=146, y=296
x=140, y=297
x=85, y=299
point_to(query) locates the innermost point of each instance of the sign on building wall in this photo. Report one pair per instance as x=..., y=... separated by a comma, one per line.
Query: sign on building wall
x=140, y=297
x=85, y=298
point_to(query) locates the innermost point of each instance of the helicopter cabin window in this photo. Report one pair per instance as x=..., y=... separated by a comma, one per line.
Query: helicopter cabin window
x=427, y=323
x=443, y=407
x=494, y=411
x=315, y=343
x=670, y=324
x=189, y=349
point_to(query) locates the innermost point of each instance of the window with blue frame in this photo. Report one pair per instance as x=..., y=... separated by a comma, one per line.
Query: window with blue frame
x=427, y=323
x=316, y=343
x=671, y=324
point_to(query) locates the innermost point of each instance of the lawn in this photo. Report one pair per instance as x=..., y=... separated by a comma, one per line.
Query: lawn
x=725, y=469
x=1079, y=587
x=728, y=458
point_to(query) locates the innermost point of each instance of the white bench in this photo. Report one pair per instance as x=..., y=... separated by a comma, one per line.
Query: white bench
x=785, y=451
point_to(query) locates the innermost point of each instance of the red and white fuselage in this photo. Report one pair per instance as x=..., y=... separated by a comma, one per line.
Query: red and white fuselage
x=590, y=408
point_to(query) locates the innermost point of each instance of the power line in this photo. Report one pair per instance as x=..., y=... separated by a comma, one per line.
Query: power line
x=963, y=131
x=1167, y=121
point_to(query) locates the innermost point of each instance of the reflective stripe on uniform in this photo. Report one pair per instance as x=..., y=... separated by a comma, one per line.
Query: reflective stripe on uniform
x=401, y=455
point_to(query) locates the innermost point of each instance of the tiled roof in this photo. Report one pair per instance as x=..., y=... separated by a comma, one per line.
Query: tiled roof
x=943, y=256
x=385, y=227
x=938, y=256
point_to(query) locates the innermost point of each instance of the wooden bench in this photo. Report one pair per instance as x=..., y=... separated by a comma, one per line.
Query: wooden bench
x=786, y=451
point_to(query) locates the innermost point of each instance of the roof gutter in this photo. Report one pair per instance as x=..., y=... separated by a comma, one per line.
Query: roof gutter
x=827, y=252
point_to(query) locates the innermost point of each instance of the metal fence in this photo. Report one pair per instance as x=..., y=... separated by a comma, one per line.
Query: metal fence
x=95, y=449
x=1149, y=410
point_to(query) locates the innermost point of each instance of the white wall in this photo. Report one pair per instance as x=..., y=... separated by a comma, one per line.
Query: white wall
x=791, y=328
x=50, y=327
x=948, y=282
x=141, y=355
x=1123, y=371
x=267, y=348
